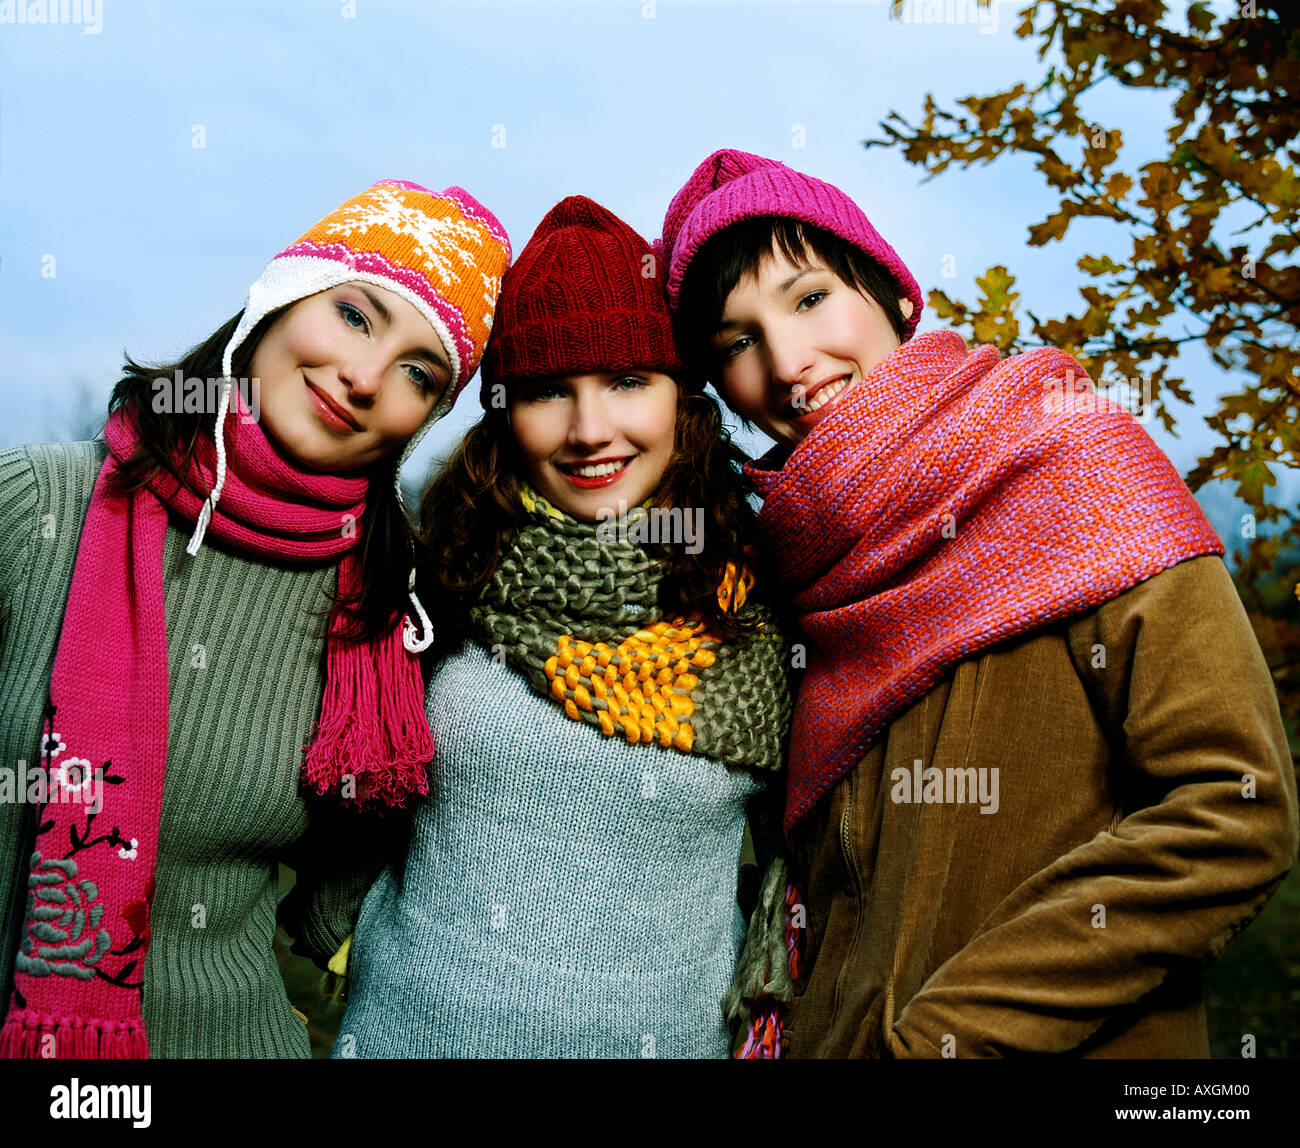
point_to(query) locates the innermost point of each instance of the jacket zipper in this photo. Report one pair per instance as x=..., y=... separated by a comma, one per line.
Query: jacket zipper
x=846, y=847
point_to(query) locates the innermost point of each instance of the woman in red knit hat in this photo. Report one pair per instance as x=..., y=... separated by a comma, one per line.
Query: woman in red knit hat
x=609, y=694
x=1038, y=778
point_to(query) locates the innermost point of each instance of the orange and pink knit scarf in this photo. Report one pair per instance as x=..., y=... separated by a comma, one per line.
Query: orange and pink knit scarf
x=79, y=971
x=950, y=501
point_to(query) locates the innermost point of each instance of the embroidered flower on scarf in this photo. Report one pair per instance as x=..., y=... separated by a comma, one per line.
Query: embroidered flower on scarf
x=64, y=937
x=52, y=744
x=128, y=853
x=74, y=774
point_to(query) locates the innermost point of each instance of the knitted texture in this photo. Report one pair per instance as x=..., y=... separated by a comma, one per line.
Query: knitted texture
x=244, y=683
x=764, y=973
x=584, y=295
x=764, y=1011
x=443, y=252
x=957, y=500
x=577, y=614
x=108, y=696
x=564, y=894
x=731, y=186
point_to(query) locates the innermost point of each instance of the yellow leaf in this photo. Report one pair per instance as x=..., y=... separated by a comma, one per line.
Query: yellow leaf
x=1103, y=266
x=1118, y=185
x=1221, y=280
x=1053, y=227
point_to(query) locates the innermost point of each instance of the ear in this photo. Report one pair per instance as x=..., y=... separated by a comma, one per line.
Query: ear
x=905, y=305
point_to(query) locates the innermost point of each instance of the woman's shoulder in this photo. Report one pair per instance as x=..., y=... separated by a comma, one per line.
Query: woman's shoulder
x=45, y=478
x=43, y=487
x=33, y=468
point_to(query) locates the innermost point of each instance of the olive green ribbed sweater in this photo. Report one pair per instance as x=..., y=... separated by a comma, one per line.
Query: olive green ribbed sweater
x=245, y=673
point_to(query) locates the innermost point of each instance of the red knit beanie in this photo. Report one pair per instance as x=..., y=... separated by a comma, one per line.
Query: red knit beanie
x=585, y=295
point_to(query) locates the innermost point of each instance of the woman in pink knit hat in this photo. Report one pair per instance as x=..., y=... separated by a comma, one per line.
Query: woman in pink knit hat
x=1038, y=777
x=209, y=655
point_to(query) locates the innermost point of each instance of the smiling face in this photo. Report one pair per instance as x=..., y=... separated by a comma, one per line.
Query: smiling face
x=348, y=375
x=793, y=339
x=588, y=441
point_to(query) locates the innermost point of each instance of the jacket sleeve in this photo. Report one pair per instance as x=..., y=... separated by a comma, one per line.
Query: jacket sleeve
x=1209, y=829
x=335, y=863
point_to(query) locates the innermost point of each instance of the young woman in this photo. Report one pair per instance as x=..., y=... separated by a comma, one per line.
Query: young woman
x=235, y=577
x=1038, y=777
x=608, y=695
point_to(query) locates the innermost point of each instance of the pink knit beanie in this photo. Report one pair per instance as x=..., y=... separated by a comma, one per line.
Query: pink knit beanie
x=731, y=186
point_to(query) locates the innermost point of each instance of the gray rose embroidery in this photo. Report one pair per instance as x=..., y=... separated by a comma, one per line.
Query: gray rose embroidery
x=63, y=934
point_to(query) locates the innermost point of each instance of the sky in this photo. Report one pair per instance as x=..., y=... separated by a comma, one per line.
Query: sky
x=155, y=154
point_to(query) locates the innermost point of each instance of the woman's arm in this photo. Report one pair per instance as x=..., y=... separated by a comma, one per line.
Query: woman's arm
x=19, y=499
x=1209, y=794
x=335, y=863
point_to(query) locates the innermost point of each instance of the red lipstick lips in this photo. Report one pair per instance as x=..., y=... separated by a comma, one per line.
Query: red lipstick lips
x=331, y=413
x=584, y=483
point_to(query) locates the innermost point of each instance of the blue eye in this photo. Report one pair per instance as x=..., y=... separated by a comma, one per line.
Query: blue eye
x=421, y=378
x=349, y=312
x=636, y=383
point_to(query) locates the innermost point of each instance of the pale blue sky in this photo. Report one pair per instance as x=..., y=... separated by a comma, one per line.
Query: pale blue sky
x=299, y=105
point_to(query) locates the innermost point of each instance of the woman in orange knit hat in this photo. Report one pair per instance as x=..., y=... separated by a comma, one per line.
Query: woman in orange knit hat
x=236, y=568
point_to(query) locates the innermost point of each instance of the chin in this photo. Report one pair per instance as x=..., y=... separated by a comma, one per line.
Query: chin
x=304, y=453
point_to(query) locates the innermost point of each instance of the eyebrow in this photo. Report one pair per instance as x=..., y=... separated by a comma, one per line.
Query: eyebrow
x=786, y=284
x=782, y=288
x=378, y=304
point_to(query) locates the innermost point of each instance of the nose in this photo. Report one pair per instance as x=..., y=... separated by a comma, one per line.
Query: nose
x=362, y=374
x=791, y=359
x=589, y=425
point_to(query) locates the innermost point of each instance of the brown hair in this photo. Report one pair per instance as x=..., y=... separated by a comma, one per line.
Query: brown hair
x=472, y=510
x=168, y=439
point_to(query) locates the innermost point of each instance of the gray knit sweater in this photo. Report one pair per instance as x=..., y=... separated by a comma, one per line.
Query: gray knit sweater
x=564, y=894
x=244, y=674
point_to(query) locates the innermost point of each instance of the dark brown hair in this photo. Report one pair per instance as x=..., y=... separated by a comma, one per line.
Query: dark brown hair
x=168, y=440
x=736, y=251
x=472, y=510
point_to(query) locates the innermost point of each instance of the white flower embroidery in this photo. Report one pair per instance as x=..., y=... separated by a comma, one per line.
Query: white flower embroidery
x=74, y=774
x=52, y=744
x=129, y=854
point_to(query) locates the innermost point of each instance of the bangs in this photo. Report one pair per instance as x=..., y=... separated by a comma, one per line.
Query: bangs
x=732, y=255
x=736, y=252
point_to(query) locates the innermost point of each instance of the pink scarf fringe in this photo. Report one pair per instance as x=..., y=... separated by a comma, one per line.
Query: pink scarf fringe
x=80, y=968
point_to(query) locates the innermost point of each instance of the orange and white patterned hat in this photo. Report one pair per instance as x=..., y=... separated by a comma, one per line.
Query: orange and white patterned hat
x=441, y=251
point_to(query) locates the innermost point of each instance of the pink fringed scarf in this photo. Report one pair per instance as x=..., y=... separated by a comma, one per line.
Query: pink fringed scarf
x=952, y=500
x=80, y=970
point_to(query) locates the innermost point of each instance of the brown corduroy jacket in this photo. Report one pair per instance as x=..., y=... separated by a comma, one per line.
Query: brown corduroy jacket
x=1141, y=809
